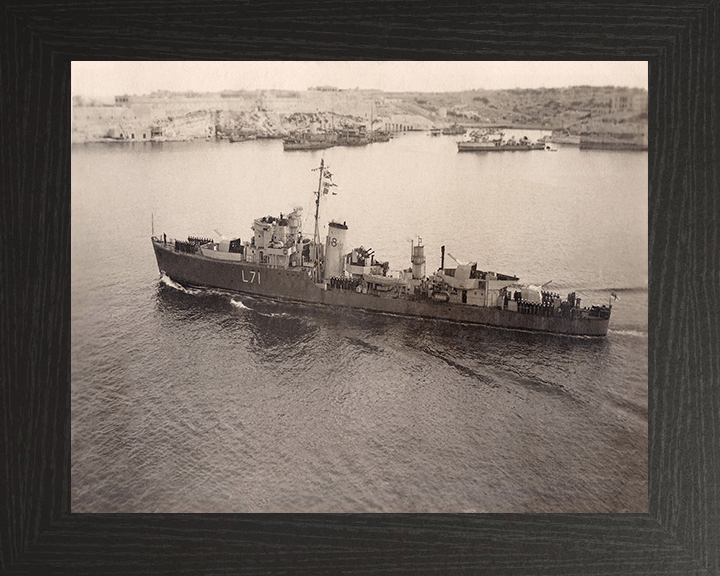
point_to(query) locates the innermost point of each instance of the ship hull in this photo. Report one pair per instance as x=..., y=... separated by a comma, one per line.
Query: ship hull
x=295, y=284
x=568, y=140
x=610, y=142
x=290, y=146
x=474, y=147
x=613, y=146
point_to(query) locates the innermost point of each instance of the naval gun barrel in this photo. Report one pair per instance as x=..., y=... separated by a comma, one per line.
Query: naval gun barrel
x=456, y=260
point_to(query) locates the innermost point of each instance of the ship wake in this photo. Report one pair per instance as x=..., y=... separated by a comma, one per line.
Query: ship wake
x=240, y=306
x=165, y=279
x=635, y=333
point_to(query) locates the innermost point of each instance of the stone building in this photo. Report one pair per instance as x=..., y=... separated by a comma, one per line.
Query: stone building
x=629, y=101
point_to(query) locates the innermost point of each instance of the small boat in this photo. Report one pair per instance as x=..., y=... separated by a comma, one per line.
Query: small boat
x=454, y=130
x=240, y=137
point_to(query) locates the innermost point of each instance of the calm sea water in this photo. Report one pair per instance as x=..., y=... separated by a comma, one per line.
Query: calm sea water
x=188, y=400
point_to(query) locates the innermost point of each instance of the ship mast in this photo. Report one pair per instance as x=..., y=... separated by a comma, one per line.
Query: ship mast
x=316, y=238
x=372, y=132
x=324, y=184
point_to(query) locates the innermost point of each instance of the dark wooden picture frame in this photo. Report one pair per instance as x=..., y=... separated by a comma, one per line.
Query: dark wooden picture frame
x=38, y=534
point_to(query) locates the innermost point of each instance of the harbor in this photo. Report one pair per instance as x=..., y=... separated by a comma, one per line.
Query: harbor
x=352, y=117
x=194, y=399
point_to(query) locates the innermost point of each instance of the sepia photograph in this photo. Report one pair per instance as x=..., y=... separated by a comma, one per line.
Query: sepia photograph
x=359, y=287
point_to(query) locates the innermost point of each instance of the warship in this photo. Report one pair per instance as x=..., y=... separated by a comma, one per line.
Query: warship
x=278, y=261
x=307, y=141
x=484, y=142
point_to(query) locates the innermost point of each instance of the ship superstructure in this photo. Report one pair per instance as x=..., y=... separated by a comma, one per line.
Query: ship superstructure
x=278, y=261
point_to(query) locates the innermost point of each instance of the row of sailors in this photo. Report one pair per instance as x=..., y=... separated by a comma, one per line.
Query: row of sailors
x=549, y=296
x=197, y=240
x=344, y=283
x=189, y=247
x=544, y=309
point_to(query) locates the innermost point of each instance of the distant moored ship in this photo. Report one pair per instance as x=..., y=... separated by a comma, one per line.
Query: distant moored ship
x=309, y=142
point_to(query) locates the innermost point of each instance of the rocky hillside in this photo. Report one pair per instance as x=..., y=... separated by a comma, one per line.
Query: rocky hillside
x=575, y=110
x=274, y=125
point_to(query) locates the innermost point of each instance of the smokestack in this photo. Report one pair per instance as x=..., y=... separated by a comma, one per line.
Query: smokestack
x=335, y=250
x=442, y=257
x=418, y=262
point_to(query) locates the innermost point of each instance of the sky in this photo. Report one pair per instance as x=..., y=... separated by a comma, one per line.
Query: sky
x=106, y=79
